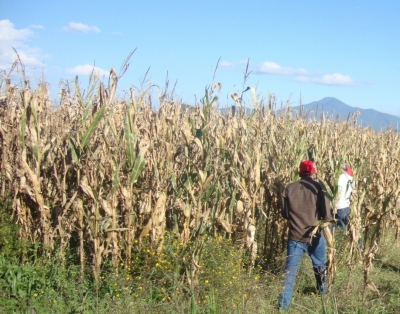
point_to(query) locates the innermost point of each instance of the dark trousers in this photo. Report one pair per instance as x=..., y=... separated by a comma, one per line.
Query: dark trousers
x=342, y=216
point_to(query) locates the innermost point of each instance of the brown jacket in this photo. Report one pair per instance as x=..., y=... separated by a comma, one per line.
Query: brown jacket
x=304, y=204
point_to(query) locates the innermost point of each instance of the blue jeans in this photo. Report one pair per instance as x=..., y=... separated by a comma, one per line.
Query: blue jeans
x=295, y=251
x=342, y=216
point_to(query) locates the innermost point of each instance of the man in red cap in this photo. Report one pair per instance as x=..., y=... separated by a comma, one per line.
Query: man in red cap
x=345, y=187
x=304, y=205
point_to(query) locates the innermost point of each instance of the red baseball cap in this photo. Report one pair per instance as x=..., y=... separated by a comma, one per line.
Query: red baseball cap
x=347, y=168
x=307, y=167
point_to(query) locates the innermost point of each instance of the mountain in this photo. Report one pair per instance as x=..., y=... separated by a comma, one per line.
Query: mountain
x=339, y=110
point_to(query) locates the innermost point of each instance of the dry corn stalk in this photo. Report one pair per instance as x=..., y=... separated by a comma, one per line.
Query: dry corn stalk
x=112, y=170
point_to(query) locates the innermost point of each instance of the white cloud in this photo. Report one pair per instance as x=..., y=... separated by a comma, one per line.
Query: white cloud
x=299, y=75
x=9, y=33
x=80, y=28
x=227, y=65
x=336, y=79
x=272, y=68
x=37, y=26
x=328, y=79
x=87, y=69
x=10, y=38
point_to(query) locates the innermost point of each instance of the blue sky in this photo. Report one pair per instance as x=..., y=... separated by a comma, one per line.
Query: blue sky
x=296, y=49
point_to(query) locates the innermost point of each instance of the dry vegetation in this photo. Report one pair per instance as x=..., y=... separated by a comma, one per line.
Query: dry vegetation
x=116, y=173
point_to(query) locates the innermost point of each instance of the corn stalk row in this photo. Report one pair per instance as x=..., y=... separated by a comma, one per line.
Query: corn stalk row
x=116, y=172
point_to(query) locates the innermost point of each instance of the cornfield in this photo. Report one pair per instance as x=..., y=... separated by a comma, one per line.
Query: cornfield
x=112, y=172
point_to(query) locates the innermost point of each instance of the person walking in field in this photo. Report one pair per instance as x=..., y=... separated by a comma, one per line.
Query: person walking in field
x=345, y=187
x=304, y=205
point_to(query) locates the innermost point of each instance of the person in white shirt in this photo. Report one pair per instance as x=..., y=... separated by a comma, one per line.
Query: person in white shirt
x=345, y=187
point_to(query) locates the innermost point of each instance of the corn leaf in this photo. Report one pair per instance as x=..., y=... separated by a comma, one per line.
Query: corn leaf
x=75, y=151
x=22, y=125
x=139, y=164
x=92, y=128
x=130, y=140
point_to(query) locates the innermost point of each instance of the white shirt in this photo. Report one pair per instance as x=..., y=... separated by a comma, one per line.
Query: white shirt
x=345, y=187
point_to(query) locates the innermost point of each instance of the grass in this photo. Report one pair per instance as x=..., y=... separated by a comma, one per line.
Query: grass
x=156, y=281
x=153, y=283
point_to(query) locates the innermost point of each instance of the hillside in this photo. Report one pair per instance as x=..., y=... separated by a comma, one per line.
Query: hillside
x=339, y=110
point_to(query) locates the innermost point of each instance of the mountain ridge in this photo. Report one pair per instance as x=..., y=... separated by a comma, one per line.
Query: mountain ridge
x=332, y=106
